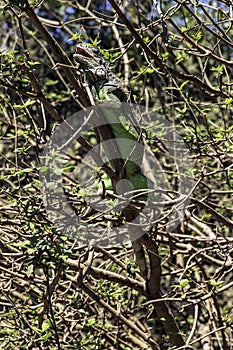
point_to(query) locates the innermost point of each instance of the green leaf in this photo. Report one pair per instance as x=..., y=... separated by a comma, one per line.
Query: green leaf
x=215, y=283
x=22, y=244
x=69, y=169
x=45, y=325
x=91, y=322
x=51, y=82
x=178, y=88
x=184, y=29
x=197, y=36
x=32, y=64
x=218, y=69
x=183, y=283
x=46, y=336
x=25, y=105
x=44, y=169
x=183, y=84
x=181, y=57
x=96, y=42
x=76, y=36
x=23, y=171
x=165, y=55
x=229, y=101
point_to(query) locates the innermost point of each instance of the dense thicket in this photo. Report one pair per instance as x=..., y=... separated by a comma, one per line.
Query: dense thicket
x=175, y=58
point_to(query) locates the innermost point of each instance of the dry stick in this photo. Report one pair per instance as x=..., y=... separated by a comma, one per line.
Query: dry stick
x=66, y=63
x=146, y=337
x=164, y=313
x=153, y=283
x=21, y=316
x=216, y=305
x=49, y=291
x=101, y=274
x=153, y=286
x=69, y=70
x=118, y=262
x=39, y=94
x=201, y=49
x=226, y=221
x=224, y=37
x=60, y=55
x=71, y=75
x=206, y=335
x=130, y=337
x=198, y=82
x=55, y=115
x=161, y=306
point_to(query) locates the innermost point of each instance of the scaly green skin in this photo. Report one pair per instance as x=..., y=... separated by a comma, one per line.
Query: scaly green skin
x=106, y=87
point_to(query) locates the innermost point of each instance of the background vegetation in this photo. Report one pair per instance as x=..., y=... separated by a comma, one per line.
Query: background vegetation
x=55, y=293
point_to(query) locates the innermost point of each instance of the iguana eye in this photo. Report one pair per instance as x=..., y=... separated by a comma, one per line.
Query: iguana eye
x=100, y=72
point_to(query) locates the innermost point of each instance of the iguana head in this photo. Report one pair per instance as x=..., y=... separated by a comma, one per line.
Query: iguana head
x=98, y=74
x=91, y=61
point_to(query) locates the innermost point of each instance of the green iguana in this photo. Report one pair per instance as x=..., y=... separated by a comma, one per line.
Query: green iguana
x=104, y=87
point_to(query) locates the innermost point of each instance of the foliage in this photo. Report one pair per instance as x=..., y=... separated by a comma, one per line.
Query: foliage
x=175, y=58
